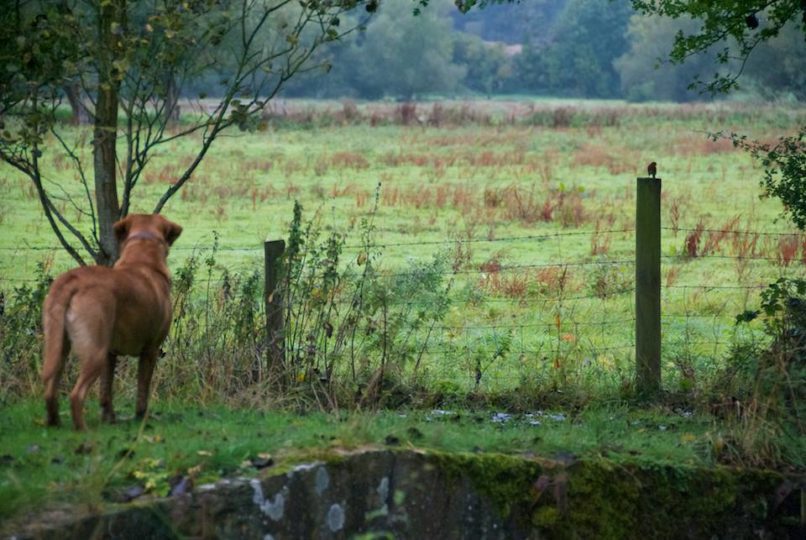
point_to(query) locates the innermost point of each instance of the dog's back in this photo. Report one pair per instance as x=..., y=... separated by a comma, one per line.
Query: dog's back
x=83, y=301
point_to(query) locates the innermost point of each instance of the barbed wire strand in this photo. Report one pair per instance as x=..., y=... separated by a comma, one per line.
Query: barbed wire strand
x=724, y=231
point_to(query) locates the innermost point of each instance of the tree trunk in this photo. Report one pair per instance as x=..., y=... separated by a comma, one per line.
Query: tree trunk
x=81, y=114
x=172, y=100
x=112, y=17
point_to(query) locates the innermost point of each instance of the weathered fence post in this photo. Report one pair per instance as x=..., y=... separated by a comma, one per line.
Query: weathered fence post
x=647, y=286
x=273, y=250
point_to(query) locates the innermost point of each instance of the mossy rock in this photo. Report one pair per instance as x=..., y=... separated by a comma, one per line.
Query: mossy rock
x=410, y=494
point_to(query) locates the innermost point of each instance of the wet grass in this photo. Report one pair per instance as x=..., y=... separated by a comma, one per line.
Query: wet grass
x=46, y=467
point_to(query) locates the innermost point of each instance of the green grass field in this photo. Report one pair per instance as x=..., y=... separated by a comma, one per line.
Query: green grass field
x=530, y=206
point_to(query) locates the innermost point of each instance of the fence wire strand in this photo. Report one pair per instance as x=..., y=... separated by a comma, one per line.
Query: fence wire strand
x=572, y=328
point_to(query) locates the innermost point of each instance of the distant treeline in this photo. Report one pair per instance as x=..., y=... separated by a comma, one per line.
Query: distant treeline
x=563, y=48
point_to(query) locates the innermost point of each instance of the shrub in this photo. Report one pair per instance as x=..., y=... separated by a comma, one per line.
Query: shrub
x=20, y=336
x=763, y=389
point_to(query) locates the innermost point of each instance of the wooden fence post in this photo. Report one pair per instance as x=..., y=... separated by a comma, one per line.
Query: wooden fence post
x=273, y=250
x=647, y=286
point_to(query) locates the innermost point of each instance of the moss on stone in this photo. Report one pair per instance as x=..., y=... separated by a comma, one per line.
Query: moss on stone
x=622, y=501
x=606, y=499
x=593, y=498
x=505, y=480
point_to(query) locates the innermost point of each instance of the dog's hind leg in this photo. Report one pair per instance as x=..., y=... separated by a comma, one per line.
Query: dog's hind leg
x=107, y=375
x=91, y=369
x=145, y=370
x=57, y=345
x=53, y=376
x=90, y=331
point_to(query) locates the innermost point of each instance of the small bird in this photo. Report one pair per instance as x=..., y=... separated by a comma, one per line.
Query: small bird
x=652, y=169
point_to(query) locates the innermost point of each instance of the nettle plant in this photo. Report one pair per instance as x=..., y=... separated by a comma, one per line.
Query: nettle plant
x=352, y=329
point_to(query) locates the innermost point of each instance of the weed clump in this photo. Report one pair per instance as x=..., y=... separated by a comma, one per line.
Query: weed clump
x=763, y=388
x=20, y=335
x=353, y=331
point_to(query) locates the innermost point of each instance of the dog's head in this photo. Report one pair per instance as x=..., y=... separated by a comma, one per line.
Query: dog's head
x=146, y=227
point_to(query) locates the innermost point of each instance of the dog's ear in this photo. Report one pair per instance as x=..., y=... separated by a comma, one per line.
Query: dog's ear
x=172, y=232
x=121, y=229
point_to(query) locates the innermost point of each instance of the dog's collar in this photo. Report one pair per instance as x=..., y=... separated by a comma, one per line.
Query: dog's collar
x=144, y=235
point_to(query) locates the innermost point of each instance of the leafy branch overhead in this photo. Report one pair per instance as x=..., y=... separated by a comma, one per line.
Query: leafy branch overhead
x=126, y=64
x=738, y=28
x=784, y=170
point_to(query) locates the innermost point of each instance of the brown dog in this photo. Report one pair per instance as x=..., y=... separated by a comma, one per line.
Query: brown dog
x=105, y=312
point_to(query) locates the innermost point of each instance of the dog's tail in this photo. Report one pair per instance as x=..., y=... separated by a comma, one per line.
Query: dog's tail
x=54, y=312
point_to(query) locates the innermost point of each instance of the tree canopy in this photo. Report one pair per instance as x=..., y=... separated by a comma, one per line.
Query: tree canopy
x=576, y=56
x=401, y=54
x=558, y=48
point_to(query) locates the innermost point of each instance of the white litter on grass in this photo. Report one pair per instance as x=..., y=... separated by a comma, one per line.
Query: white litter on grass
x=438, y=412
x=500, y=417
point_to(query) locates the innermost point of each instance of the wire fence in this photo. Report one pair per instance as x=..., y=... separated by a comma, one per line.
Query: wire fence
x=571, y=314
